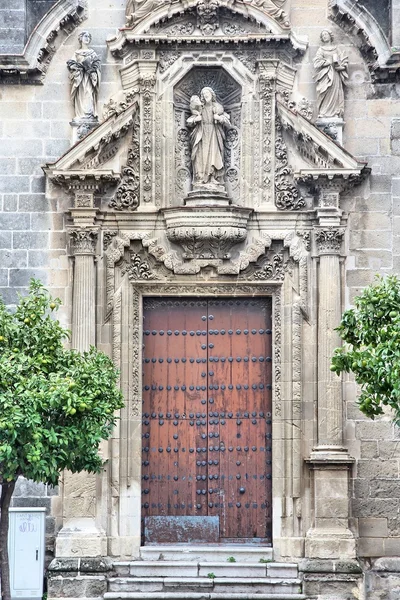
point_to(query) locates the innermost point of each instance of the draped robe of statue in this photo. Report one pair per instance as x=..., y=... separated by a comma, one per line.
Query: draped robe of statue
x=85, y=77
x=207, y=140
x=331, y=73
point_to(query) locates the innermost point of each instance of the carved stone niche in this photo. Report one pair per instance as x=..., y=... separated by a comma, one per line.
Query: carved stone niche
x=209, y=221
x=228, y=93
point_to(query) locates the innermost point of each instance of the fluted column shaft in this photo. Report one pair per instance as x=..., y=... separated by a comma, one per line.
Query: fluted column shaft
x=330, y=417
x=84, y=304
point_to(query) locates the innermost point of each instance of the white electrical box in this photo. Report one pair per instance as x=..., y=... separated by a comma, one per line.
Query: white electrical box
x=26, y=547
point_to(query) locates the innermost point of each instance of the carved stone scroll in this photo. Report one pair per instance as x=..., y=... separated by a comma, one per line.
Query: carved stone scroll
x=126, y=196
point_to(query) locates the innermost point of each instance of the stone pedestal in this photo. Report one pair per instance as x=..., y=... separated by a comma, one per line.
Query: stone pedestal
x=207, y=197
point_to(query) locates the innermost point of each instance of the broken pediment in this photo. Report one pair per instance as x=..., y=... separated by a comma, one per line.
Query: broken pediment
x=101, y=154
x=206, y=20
x=316, y=154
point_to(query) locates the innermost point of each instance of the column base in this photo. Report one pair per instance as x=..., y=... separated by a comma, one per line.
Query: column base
x=330, y=536
x=330, y=543
x=81, y=538
x=328, y=579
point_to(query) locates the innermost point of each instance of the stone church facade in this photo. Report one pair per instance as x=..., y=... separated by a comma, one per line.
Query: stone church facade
x=207, y=184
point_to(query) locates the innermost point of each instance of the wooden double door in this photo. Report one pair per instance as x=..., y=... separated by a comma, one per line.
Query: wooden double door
x=207, y=428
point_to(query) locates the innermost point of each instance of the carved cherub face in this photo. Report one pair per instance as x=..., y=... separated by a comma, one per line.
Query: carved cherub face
x=195, y=104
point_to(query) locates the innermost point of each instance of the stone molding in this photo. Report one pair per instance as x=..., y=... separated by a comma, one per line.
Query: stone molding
x=356, y=20
x=31, y=66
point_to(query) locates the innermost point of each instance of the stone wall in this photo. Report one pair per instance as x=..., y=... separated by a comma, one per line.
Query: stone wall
x=34, y=130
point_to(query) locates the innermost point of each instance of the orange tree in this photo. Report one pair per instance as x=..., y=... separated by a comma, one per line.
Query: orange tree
x=56, y=405
x=371, y=350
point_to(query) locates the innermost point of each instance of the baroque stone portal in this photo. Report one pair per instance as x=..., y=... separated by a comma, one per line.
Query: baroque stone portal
x=208, y=122
x=331, y=74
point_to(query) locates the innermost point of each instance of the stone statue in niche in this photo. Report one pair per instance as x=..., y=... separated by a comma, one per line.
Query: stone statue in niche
x=331, y=74
x=208, y=122
x=85, y=71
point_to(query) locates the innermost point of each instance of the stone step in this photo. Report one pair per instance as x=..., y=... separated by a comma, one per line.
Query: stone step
x=160, y=568
x=199, y=596
x=242, y=553
x=204, y=584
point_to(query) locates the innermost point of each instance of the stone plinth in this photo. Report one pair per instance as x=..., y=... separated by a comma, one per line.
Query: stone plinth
x=207, y=197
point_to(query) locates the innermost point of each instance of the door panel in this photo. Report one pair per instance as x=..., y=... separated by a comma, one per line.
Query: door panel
x=207, y=412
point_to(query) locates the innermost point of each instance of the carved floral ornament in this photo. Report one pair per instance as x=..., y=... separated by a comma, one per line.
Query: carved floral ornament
x=83, y=241
x=329, y=239
x=207, y=10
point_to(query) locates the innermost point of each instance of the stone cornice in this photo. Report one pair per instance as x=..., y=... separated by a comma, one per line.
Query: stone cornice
x=382, y=61
x=31, y=66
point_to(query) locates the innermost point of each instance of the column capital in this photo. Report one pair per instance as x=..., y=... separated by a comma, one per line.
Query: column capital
x=83, y=241
x=328, y=240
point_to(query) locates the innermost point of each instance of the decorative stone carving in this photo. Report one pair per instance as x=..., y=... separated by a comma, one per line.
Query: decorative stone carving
x=146, y=87
x=84, y=199
x=126, y=196
x=85, y=71
x=112, y=107
x=30, y=67
x=139, y=269
x=83, y=241
x=331, y=74
x=206, y=233
x=287, y=195
x=273, y=269
x=267, y=97
x=207, y=16
x=228, y=92
x=207, y=11
x=108, y=238
x=208, y=122
x=329, y=240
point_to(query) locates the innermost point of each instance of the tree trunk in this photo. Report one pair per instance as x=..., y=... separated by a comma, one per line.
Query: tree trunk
x=7, y=490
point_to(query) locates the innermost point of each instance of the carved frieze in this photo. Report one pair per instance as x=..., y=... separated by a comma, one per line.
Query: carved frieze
x=146, y=86
x=267, y=96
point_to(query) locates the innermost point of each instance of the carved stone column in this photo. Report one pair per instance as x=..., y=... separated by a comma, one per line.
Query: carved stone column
x=330, y=421
x=81, y=534
x=330, y=536
x=83, y=242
